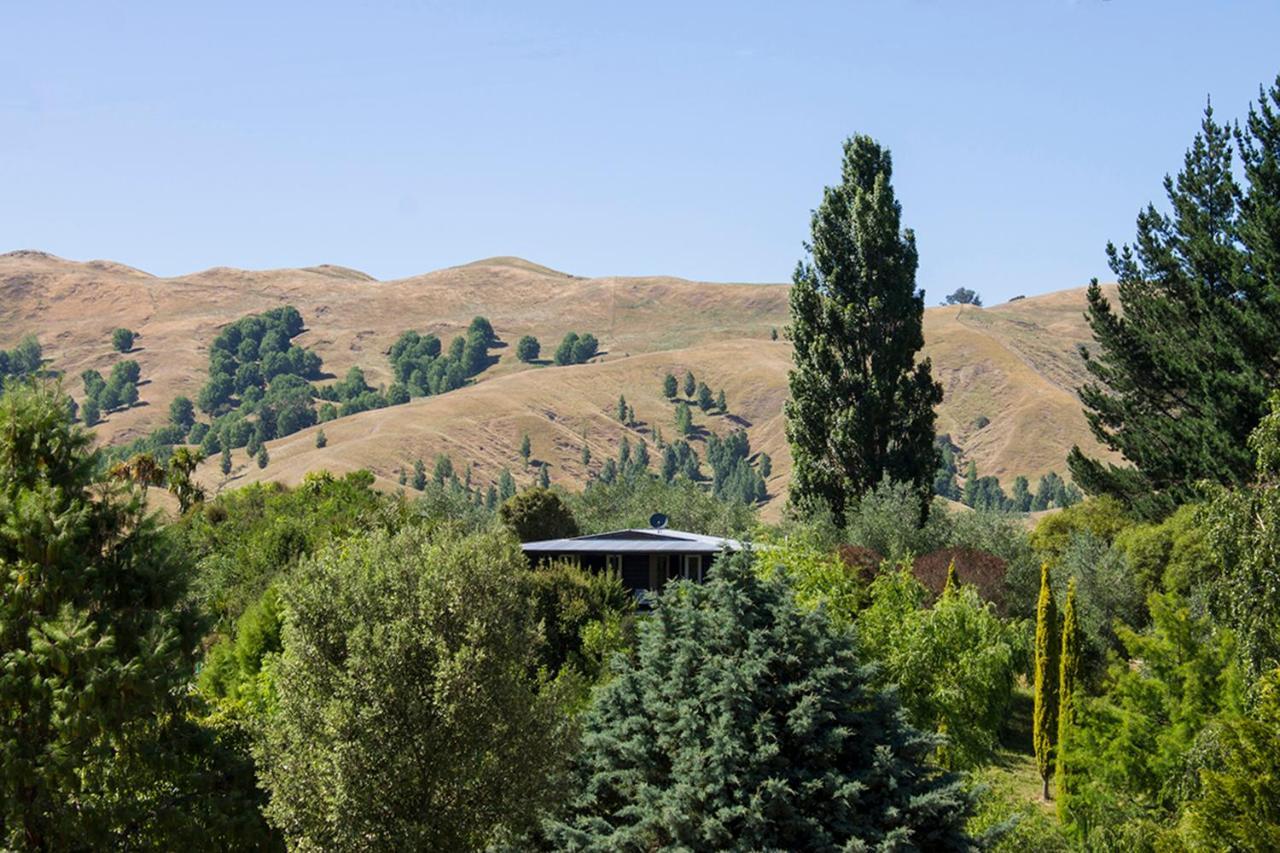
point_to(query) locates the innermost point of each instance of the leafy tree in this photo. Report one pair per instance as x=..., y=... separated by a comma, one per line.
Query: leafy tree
x=954, y=663
x=688, y=746
x=565, y=352
x=321, y=439
x=537, y=514
x=122, y=340
x=1047, y=649
x=263, y=457
x=690, y=385
x=585, y=348
x=181, y=477
x=528, y=348
x=526, y=448
x=1182, y=370
x=182, y=412
x=669, y=386
x=89, y=411
x=963, y=296
x=404, y=681
x=861, y=405
x=705, y=400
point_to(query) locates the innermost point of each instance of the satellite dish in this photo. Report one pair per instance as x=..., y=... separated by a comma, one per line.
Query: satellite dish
x=657, y=521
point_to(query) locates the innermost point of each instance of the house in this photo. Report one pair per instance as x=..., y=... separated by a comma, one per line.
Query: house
x=646, y=559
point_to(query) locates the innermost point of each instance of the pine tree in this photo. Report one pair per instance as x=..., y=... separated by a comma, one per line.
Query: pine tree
x=264, y=458
x=321, y=440
x=688, y=747
x=773, y=333
x=1070, y=670
x=684, y=418
x=1182, y=370
x=506, y=485
x=526, y=448
x=721, y=403
x=419, y=475
x=969, y=497
x=690, y=384
x=621, y=409
x=1045, y=719
x=544, y=478
x=861, y=406
x=225, y=462
x=705, y=400
x=403, y=479
x=669, y=386
x=586, y=455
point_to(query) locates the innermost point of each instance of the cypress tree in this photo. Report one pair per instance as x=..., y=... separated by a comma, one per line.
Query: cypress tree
x=544, y=478
x=744, y=721
x=225, y=462
x=526, y=448
x=1182, y=370
x=669, y=386
x=621, y=409
x=690, y=384
x=1045, y=719
x=1070, y=667
x=861, y=406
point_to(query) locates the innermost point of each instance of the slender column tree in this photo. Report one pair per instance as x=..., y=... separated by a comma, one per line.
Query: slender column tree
x=1045, y=715
x=861, y=405
x=1069, y=670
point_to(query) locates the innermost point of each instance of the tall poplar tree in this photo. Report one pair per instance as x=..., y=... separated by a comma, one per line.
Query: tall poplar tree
x=1184, y=362
x=861, y=406
x=1045, y=714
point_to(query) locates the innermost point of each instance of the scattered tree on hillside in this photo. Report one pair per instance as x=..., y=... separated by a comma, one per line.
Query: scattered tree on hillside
x=1184, y=364
x=419, y=475
x=861, y=407
x=506, y=485
x=224, y=463
x=684, y=418
x=690, y=712
x=544, y=476
x=621, y=409
x=263, y=457
x=442, y=472
x=773, y=334
x=669, y=386
x=705, y=400
x=586, y=454
x=722, y=405
x=321, y=439
x=182, y=412
x=690, y=385
x=526, y=448
x=963, y=296
x=528, y=348
x=122, y=340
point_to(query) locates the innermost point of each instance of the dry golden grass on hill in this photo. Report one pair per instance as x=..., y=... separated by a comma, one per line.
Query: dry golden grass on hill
x=1014, y=364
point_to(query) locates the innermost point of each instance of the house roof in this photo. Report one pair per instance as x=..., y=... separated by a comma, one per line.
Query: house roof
x=650, y=541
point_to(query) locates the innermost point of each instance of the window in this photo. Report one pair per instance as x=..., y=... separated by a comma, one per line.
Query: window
x=693, y=567
x=613, y=563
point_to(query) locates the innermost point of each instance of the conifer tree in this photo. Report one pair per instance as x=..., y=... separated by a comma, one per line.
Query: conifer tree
x=526, y=448
x=689, y=747
x=669, y=387
x=419, y=475
x=684, y=418
x=264, y=458
x=722, y=405
x=1045, y=712
x=506, y=485
x=586, y=455
x=861, y=406
x=225, y=462
x=1184, y=362
x=621, y=409
x=544, y=478
x=321, y=440
x=1070, y=669
x=690, y=384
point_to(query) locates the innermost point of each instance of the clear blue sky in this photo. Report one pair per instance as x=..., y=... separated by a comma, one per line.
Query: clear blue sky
x=604, y=138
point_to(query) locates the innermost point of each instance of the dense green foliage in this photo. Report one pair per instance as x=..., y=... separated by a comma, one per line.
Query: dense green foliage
x=861, y=406
x=405, y=716
x=576, y=349
x=421, y=368
x=528, y=349
x=746, y=722
x=1047, y=673
x=23, y=361
x=122, y=339
x=538, y=513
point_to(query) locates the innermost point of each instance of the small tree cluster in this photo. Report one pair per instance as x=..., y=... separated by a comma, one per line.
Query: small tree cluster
x=22, y=361
x=422, y=369
x=732, y=475
x=120, y=391
x=576, y=349
x=122, y=339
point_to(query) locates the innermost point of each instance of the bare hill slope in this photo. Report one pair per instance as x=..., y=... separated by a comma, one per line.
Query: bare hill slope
x=1014, y=365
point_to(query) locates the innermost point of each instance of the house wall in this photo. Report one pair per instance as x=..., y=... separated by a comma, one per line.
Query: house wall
x=635, y=567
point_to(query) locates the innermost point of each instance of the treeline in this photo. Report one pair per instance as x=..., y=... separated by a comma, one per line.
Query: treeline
x=1051, y=492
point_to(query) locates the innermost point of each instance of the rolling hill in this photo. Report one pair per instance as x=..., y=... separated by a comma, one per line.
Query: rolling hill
x=1013, y=366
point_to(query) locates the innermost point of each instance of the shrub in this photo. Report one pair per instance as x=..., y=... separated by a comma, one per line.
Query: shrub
x=122, y=340
x=538, y=513
x=528, y=348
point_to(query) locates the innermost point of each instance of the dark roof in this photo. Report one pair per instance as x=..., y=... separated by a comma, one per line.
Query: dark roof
x=636, y=542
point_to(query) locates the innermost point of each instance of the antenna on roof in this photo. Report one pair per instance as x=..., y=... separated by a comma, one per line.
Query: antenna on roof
x=657, y=521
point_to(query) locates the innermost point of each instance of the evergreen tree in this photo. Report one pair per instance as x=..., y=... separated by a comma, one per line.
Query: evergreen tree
x=621, y=409
x=669, y=387
x=403, y=479
x=419, y=475
x=684, y=418
x=689, y=747
x=443, y=469
x=321, y=440
x=773, y=333
x=89, y=411
x=224, y=463
x=970, y=495
x=1070, y=671
x=97, y=643
x=264, y=458
x=544, y=478
x=506, y=485
x=705, y=400
x=1045, y=719
x=1021, y=497
x=861, y=406
x=565, y=352
x=586, y=455
x=122, y=340
x=765, y=465
x=182, y=413
x=690, y=385
x=722, y=405
x=1182, y=370
x=491, y=498
x=526, y=448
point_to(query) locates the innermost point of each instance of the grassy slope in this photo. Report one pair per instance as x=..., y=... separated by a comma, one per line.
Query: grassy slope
x=1014, y=364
